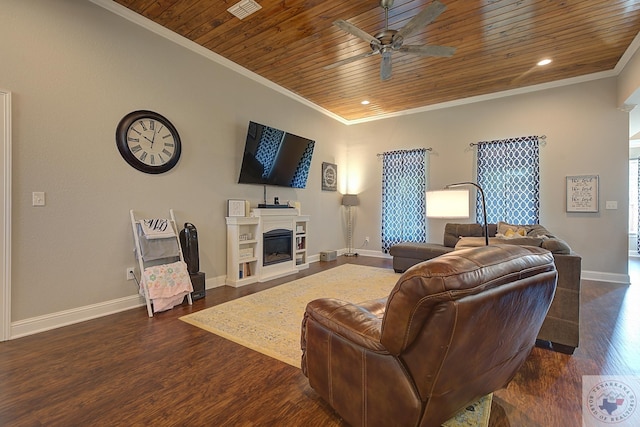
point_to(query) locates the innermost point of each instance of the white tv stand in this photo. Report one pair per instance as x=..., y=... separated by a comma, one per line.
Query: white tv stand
x=245, y=250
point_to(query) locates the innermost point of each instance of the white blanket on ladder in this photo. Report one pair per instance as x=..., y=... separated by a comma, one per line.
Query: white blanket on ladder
x=157, y=228
x=167, y=284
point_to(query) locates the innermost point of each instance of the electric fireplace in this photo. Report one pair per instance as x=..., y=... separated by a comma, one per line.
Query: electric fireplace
x=277, y=246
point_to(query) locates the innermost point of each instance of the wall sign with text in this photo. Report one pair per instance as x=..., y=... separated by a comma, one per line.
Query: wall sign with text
x=582, y=193
x=329, y=176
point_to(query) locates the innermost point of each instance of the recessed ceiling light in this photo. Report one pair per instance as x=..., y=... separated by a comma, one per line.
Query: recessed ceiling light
x=365, y=102
x=546, y=61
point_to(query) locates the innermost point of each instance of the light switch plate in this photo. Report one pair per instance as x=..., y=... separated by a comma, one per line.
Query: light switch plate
x=38, y=198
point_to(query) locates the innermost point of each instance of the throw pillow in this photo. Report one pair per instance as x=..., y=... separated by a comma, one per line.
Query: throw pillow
x=503, y=227
x=556, y=246
x=511, y=233
x=474, y=242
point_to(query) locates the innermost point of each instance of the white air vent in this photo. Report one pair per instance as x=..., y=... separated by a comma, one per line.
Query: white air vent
x=244, y=8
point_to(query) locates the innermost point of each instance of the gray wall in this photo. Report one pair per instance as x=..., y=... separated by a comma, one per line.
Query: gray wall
x=75, y=69
x=586, y=134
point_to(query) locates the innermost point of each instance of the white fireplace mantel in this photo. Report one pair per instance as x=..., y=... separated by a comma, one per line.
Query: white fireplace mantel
x=245, y=246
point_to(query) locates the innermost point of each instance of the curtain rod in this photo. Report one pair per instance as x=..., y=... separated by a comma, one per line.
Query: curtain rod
x=471, y=144
x=428, y=149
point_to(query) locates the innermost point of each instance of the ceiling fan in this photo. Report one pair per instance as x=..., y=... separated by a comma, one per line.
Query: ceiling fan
x=387, y=41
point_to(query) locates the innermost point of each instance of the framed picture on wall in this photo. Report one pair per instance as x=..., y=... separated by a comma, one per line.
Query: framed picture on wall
x=236, y=208
x=582, y=193
x=329, y=176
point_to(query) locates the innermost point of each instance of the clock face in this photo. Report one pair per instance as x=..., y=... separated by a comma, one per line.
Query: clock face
x=148, y=142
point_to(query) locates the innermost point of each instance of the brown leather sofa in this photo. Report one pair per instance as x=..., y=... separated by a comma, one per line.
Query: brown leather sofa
x=561, y=329
x=452, y=330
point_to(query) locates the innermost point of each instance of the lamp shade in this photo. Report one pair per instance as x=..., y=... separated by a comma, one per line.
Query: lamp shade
x=350, y=200
x=448, y=204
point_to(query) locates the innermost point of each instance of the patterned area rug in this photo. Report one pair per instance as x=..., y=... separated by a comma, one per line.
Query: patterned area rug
x=269, y=321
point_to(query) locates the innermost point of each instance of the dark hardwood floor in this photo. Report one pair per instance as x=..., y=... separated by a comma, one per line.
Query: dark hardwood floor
x=127, y=369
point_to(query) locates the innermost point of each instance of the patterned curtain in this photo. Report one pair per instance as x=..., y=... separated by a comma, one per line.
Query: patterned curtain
x=509, y=174
x=404, y=183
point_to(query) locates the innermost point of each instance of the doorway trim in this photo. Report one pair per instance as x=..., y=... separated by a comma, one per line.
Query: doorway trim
x=5, y=279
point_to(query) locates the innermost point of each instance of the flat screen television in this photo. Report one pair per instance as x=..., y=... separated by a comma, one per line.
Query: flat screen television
x=275, y=157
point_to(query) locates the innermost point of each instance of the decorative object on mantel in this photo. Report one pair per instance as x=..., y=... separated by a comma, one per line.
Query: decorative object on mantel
x=582, y=193
x=329, y=176
x=236, y=208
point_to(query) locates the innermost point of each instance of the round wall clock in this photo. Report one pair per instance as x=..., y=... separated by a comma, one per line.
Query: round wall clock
x=148, y=141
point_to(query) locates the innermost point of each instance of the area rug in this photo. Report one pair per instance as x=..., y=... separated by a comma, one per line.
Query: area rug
x=476, y=415
x=269, y=321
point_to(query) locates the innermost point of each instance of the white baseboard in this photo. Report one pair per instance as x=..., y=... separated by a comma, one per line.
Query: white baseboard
x=47, y=322
x=366, y=252
x=214, y=282
x=34, y=325
x=599, y=276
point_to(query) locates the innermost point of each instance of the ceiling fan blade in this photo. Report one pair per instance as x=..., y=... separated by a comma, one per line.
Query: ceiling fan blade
x=423, y=18
x=444, y=51
x=352, y=29
x=385, y=65
x=349, y=60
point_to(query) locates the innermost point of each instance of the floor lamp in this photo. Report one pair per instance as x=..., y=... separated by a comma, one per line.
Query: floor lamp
x=449, y=203
x=349, y=200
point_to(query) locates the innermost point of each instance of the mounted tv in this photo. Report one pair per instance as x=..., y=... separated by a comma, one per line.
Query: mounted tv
x=275, y=157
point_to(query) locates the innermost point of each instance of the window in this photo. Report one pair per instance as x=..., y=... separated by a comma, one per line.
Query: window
x=509, y=174
x=404, y=183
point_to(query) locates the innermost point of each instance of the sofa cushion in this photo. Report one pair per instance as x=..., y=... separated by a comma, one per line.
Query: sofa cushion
x=505, y=228
x=556, y=246
x=472, y=242
x=420, y=251
x=549, y=241
x=453, y=232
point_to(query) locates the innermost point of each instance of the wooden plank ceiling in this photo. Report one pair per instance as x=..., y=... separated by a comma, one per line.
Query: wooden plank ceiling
x=498, y=44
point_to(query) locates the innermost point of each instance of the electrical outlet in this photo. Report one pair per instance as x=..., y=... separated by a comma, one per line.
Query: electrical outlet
x=130, y=275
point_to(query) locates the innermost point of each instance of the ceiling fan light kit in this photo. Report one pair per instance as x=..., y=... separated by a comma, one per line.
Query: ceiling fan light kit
x=387, y=41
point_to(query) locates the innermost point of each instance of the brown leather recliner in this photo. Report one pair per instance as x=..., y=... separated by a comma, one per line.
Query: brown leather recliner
x=453, y=329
